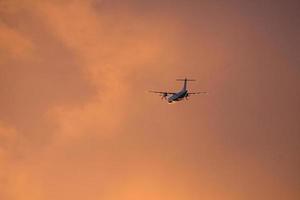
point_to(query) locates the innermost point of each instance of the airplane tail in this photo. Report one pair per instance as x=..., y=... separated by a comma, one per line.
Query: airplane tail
x=185, y=82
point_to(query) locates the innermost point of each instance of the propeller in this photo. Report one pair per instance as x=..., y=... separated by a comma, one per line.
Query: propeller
x=186, y=96
x=164, y=95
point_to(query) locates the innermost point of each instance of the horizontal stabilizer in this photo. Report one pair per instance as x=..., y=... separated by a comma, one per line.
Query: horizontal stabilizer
x=185, y=79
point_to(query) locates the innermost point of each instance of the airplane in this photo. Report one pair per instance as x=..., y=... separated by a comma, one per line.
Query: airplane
x=178, y=96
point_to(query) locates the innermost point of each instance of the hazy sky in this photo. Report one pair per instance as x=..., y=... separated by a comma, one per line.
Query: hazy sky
x=77, y=122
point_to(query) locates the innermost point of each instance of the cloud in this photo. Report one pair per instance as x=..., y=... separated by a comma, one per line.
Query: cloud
x=110, y=48
x=74, y=88
x=14, y=44
x=77, y=121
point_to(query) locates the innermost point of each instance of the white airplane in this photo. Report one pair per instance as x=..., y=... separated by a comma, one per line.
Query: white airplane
x=177, y=96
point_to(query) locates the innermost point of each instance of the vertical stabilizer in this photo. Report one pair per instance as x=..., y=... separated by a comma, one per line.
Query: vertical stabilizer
x=185, y=82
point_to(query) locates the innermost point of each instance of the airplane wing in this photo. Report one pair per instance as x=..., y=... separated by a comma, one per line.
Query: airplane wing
x=189, y=93
x=163, y=93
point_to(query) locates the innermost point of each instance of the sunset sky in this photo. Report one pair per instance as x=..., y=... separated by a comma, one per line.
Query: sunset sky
x=77, y=121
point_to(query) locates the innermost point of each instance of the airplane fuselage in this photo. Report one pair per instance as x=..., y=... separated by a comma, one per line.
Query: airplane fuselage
x=178, y=96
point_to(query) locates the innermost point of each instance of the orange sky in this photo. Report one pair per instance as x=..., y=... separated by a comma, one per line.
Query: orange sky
x=76, y=121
